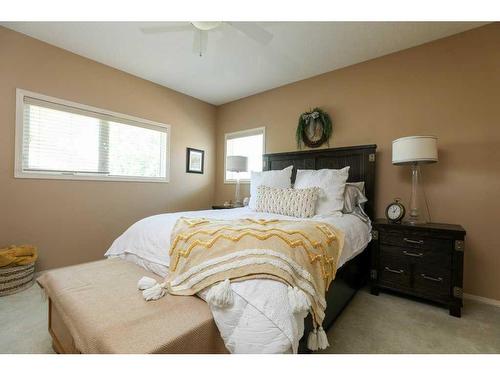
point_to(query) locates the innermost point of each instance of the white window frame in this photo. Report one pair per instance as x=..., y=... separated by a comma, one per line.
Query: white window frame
x=18, y=167
x=238, y=134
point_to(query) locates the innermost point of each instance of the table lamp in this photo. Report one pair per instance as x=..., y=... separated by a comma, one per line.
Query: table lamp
x=416, y=150
x=237, y=164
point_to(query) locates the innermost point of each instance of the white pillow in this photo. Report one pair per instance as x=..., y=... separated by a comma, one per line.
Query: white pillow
x=332, y=184
x=279, y=179
x=289, y=202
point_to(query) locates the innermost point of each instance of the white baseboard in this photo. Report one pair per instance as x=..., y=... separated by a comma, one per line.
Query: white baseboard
x=488, y=301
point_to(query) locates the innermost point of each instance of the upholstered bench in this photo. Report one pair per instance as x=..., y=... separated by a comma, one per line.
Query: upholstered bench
x=96, y=308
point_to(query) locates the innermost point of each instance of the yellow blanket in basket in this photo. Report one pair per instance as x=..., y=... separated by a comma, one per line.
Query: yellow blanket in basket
x=18, y=255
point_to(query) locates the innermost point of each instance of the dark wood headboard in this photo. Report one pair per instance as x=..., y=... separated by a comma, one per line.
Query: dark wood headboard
x=361, y=159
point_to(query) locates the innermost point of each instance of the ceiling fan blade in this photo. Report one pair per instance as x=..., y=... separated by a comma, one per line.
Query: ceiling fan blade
x=253, y=31
x=200, y=42
x=166, y=29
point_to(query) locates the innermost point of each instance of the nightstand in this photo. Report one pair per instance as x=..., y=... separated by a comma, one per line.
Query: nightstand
x=424, y=261
x=221, y=207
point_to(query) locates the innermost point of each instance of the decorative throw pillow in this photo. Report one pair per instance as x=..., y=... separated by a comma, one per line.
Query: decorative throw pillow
x=279, y=179
x=289, y=202
x=354, y=196
x=332, y=184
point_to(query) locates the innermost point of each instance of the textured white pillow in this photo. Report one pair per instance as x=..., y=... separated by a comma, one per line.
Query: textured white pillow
x=289, y=202
x=332, y=184
x=279, y=179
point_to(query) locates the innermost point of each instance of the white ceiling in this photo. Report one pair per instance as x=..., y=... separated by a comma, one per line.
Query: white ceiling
x=234, y=65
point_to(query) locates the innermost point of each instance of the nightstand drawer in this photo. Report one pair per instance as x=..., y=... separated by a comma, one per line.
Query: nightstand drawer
x=432, y=282
x=415, y=241
x=393, y=272
x=437, y=258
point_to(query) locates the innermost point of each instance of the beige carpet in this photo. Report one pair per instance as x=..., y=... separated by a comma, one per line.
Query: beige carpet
x=392, y=324
x=370, y=324
x=23, y=318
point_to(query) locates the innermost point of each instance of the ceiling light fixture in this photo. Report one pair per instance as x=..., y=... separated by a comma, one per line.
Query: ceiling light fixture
x=206, y=25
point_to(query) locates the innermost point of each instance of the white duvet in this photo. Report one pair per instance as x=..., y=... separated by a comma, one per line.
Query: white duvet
x=260, y=320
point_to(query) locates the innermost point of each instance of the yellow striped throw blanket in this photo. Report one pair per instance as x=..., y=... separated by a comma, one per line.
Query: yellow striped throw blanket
x=18, y=255
x=210, y=252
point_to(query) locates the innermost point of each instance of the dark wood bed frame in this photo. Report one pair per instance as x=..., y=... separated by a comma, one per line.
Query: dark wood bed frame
x=354, y=274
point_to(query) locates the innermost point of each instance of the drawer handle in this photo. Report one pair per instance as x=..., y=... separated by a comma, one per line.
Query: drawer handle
x=418, y=242
x=393, y=271
x=438, y=280
x=410, y=254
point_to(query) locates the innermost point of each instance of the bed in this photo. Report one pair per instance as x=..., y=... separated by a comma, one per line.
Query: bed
x=270, y=332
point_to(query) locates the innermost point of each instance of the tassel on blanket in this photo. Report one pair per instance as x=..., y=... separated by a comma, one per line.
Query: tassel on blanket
x=312, y=340
x=298, y=300
x=155, y=292
x=145, y=283
x=322, y=339
x=317, y=339
x=221, y=295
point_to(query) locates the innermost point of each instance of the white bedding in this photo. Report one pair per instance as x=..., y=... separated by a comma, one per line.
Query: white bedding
x=260, y=320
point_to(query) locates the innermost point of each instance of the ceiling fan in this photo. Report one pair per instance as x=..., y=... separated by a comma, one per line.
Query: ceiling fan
x=201, y=28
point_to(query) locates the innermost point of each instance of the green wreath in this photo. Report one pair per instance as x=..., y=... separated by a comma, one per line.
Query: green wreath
x=314, y=128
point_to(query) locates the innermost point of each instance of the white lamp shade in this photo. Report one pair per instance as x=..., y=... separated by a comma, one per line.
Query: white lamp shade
x=415, y=149
x=237, y=163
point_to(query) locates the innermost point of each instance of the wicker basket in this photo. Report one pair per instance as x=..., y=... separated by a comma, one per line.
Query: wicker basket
x=16, y=279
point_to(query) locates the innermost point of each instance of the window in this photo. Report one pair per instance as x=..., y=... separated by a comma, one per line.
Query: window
x=249, y=143
x=60, y=139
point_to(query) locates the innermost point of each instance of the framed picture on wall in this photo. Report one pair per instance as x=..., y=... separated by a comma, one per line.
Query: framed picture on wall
x=195, y=160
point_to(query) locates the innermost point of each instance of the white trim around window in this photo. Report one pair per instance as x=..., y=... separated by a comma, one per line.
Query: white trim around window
x=241, y=134
x=23, y=97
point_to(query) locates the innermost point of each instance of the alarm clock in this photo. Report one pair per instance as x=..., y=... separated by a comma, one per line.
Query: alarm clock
x=395, y=211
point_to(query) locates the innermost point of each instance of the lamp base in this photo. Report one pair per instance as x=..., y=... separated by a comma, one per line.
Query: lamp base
x=237, y=199
x=414, y=221
x=418, y=207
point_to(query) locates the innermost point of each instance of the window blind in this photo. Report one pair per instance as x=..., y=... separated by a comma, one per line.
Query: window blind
x=62, y=139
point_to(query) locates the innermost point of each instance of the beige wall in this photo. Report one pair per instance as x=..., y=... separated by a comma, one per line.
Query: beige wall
x=76, y=221
x=449, y=88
